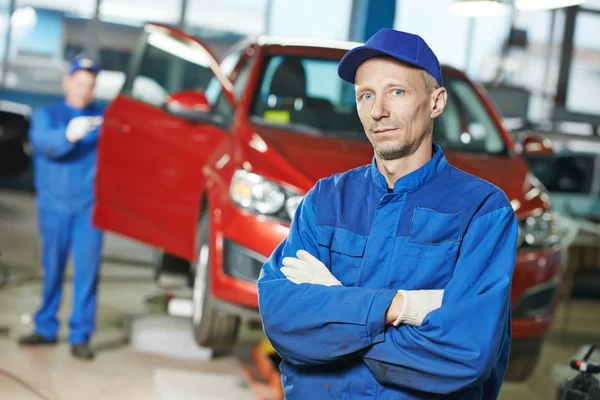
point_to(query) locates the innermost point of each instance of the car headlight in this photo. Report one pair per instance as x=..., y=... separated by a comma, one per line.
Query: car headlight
x=257, y=194
x=539, y=231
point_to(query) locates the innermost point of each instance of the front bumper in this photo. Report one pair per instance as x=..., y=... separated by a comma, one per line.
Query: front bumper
x=535, y=291
x=244, y=242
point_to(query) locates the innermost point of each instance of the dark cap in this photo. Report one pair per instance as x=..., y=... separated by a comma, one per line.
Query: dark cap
x=84, y=63
x=402, y=46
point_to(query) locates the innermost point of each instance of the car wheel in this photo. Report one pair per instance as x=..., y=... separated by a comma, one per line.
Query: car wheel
x=521, y=365
x=213, y=327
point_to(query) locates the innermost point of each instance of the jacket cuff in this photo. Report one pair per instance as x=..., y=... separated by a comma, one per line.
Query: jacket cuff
x=376, y=316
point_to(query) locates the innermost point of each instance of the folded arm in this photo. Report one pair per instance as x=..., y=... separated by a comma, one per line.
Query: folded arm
x=312, y=324
x=458, y=344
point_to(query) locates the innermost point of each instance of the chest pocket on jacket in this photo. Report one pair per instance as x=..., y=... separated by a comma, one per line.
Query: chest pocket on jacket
x=344, y=250
x=432, y=246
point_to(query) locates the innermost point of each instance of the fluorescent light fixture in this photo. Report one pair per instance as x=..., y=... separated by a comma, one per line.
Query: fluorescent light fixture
x=179, y=49
x=141, y=12
x=530, y=5
x=24, y=17
x=479, y=8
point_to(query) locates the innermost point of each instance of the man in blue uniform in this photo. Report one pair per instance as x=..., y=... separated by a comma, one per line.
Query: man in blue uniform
x=64, y=137
x=352, y=300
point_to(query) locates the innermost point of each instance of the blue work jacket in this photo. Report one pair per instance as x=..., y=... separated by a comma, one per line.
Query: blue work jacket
x=64, y=171
x=441, y=228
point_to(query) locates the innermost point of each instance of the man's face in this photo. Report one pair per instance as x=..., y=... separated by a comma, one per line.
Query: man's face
x=79, y=88
x=394, y=107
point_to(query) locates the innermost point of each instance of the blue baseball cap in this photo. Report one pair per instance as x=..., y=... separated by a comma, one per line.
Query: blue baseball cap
x=402, y=46
x=84, y=63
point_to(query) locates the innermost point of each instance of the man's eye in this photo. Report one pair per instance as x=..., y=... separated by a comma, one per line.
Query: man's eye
x=367, y=96
x=398, y=92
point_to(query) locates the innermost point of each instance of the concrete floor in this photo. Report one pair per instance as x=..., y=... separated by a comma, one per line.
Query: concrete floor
x=127, y=293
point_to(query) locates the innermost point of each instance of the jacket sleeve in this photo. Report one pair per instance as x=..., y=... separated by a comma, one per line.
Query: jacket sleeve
x=46, y=139
x=314, y=324
x=458, y=344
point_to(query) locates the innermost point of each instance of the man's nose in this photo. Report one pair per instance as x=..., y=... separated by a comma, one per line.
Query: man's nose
x=380, y=109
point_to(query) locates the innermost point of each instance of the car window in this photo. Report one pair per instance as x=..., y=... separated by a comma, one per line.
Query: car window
x=564, y=174
x=306, y=95
x=214, y=89
x=169, y=65
x=241, y=80
x=465, y=124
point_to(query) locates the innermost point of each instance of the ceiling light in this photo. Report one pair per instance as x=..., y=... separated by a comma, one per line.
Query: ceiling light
x=479, y=8
x=546, y=4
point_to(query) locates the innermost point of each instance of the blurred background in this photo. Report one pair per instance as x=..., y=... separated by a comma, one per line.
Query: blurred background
x=538, y=62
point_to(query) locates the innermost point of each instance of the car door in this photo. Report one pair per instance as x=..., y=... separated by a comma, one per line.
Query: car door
x=149, y=179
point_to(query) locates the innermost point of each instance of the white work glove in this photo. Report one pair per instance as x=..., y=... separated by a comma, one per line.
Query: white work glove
x=308, y=269
x=417, y=304
x=79, y=127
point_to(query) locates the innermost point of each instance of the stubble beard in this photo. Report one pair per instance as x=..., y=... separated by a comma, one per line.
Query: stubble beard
x=398, y=150
x=401, y=148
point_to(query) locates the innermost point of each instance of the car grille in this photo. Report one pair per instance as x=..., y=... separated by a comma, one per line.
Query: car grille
x=537, y=300
x=242, y=263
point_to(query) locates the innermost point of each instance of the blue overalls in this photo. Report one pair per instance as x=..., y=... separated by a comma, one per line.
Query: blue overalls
x=64, y=182
x=440, y=228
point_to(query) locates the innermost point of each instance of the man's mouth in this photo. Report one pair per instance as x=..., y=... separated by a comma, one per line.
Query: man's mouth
x=384, y=130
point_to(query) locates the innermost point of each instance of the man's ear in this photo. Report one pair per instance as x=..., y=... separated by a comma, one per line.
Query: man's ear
x=438, y=101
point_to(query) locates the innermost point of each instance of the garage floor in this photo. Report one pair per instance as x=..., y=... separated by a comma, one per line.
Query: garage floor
x=127, y=370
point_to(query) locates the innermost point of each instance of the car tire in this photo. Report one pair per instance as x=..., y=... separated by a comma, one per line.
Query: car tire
x=521, y=365
x=213, y=327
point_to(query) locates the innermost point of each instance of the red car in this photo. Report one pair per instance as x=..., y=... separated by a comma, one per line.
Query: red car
x=207, y=162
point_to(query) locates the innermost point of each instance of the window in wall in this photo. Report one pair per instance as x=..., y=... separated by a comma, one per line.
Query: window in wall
x=139, y=12
x=584, y=79
x=114, y=60
x=37, y=46
x=211, y=18
x=73, y=51
x=592, y=4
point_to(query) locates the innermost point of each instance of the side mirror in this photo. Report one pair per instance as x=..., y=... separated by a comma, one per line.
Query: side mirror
x=536, y=145
x=191, y=105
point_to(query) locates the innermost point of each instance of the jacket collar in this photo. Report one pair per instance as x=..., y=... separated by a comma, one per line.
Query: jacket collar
x=415, y=179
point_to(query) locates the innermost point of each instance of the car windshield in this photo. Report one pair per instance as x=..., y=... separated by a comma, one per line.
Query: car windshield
x=306, y=95
x=565, y=173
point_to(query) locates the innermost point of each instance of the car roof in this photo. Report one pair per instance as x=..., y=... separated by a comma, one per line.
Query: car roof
x=273, y=41
x=268, y=41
